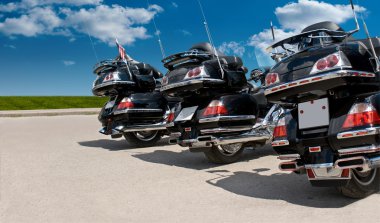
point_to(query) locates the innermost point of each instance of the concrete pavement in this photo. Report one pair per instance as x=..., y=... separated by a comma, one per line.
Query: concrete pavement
x=60, y=169
x=49, y=112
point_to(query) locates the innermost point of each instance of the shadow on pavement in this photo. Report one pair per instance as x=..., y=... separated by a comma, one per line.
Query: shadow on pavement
x=116, y=145
x=291, y=188
x=197, y=161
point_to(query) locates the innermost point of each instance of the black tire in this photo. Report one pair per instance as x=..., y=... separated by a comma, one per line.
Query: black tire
x=362, y=185
x=219, y=155
x=137, y=139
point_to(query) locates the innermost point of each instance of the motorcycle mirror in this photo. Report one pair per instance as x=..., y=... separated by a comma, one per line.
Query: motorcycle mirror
x=256, y=74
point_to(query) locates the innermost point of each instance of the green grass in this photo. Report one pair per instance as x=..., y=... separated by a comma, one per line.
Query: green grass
x=50, y=102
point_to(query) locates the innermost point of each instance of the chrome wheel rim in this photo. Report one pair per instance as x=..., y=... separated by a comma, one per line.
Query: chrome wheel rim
x=146, y=135
x=230, y=149
x=364, y=178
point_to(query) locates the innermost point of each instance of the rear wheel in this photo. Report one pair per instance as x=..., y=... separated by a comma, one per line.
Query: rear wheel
x=362, y=184
x=225, y=154
x=143, y=138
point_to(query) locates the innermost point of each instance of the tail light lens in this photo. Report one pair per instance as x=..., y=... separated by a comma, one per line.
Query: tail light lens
x=361, y=114
x=164, y=80
x=332, y=61
x=280, y=129
x=170, y=117
x=111, y=76
x=271, y=78
x=126, y=103
x=216, y=107
x=196, y=72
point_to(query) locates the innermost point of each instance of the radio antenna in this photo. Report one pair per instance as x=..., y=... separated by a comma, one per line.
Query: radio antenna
x=373, y=51
x=210, y=38
x=272, y=28
x=356, y=19
x=157, y=34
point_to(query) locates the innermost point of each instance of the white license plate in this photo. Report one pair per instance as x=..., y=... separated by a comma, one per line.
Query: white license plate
x=313, y=114
x=186, y=114
x=110, y=104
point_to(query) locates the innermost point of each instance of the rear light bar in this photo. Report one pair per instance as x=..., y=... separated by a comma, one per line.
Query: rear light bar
x=361, y=114
x=215, y=108
x=332, y=61
x=126, y=103
x=196, y=72
x=358, y=133
x=315, y=79
x=278, y=143
x=271, y=78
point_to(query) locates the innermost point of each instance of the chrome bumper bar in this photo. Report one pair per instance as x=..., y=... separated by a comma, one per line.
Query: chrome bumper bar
x=137, y=128
x=208, y=140
x=191, y=82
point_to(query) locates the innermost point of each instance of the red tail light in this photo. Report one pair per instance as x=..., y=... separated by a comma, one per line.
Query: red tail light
x=215, y=108
x=125, y=104
x=361, y=114
x=170, y=117
x=338, y=59
x=195, y=72
x=280, y=129
x=271, y=78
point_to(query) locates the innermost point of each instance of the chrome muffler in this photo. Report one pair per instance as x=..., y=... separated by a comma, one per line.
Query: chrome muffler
x=352, y=163
x=289, y=166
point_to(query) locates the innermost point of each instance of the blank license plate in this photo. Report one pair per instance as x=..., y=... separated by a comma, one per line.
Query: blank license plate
x=186, y=114
x=313, y=113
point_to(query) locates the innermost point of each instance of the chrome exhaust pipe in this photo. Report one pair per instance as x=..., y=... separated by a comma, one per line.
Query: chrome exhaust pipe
x=374, y=162
x=289, y=166
x=173, y=141
x=352, y=162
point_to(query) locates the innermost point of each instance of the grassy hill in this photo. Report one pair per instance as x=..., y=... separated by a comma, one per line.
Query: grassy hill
x=50, y=102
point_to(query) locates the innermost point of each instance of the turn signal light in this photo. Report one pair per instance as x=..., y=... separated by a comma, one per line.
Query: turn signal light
x=216, y=107
x=126, y=103
x=361, y=114
x=280, y=130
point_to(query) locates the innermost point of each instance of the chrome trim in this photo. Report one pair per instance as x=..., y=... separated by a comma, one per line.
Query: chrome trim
x=359, y=150
x=175, y=134
x=316, y=78
x=319, y=165
x=374, y=162
x=113, y=131
x=112, y=83
x=171, y=124
x=289, y=157
x=227, y=129
x=362, y=158
x=137, y=110
x=296, y=167
x=136, y=128
x=358, y=133
x=190, y=82
x=277, y=143
x=227, y=118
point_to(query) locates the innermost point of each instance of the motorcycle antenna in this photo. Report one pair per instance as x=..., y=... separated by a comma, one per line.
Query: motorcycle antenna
x=356, y=19
x=157, y=33
x=272, y=28
x=210, y=38
x=374, y=56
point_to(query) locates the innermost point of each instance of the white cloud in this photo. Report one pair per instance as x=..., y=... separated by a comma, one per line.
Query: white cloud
x=9, y=46
x=295, y=16
x=232, y=47
x=174, y=4
x=101, y=21
x=68, y=62
x=185, y=32
x=36, y=21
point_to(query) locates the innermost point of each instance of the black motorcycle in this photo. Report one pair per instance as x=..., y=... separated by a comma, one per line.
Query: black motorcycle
x=219, y=113
x=329, y=83
x=136, y=108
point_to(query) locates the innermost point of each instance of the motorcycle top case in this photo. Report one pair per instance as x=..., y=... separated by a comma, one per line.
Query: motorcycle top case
x=296, y=70
x=115, y=77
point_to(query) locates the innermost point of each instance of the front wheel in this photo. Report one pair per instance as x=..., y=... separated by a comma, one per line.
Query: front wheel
x=225, y=154
x=362, y=184
x=143, y=138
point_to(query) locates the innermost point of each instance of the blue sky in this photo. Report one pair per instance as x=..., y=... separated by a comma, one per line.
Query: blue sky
x=45, y=47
